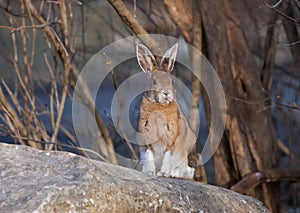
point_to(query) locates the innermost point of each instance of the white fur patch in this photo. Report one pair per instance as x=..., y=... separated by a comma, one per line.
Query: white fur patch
x=166, y=165
x=165, y=99
x=147, y=159
x=183, y=172
x=175, y=166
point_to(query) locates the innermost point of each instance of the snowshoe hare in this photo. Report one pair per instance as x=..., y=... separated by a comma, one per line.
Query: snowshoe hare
x=165, y=136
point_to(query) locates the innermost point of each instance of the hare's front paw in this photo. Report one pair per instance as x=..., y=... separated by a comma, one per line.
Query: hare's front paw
x=147, y=159
x=183, y=172
x=149, y=168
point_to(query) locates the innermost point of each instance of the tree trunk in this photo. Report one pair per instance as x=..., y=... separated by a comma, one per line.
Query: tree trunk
x=249, y=143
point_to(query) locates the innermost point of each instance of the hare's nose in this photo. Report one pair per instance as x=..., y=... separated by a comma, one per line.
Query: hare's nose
x=166, y=93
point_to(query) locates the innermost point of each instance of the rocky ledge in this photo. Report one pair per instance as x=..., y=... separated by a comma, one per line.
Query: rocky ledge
x=41, y=181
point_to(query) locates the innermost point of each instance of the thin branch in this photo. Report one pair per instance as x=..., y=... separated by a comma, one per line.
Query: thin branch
x=133, y=23
x=276, y=4
x=176, y=9
x=83, y=34
x=283, y=15
x=33, y=38
x=287, y=104
x=18, y=29
x=286, y=151
x=108, y=62
x=10, y=111
x=85, y=96
x=64, y=22
x=9, y=12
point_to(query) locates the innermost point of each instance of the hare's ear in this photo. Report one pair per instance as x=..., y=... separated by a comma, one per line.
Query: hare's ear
x=145, y=58
x=169, y=58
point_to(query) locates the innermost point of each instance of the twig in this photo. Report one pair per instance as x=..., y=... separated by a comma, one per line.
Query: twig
x=291, y=106
x=108, y=62
x=9, y=12
x=67, y=68
x=87, y=100
x=14, y=41
x=133, y=24
x=283, y=15
x=53, y=93
x=83, y=35
x=18, y=29
x=33, y=38
x=11, y=113
x=71, y=31
x=290, y=43
x=276, y=4
x=297, y=4
x=181, y=17
x=64, y=22
x=250, y=101
x=286, y=151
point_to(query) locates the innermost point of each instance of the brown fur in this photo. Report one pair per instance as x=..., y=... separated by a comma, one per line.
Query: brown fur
x=171, y=134
x=176, y=129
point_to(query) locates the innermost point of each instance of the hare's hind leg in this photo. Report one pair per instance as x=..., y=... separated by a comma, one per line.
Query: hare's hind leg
x=176, y=165
x=166, y=165
x=181, y=168
x=147, y=159
x=180, y=152
x=175, y=161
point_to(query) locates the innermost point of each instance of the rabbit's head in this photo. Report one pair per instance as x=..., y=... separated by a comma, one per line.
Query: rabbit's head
x=161, y=84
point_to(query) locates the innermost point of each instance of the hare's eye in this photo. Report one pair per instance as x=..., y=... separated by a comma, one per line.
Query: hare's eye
x=154, y=82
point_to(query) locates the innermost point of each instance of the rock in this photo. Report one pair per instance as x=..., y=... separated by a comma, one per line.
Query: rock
x=41, y=181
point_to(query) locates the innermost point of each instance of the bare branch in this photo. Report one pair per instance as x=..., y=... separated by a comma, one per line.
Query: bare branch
x=283, y=15
x=286, y=151
x=276, y=4
x=17, y=29
x=133, y=23
x=179, y=12
x=64, y=22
